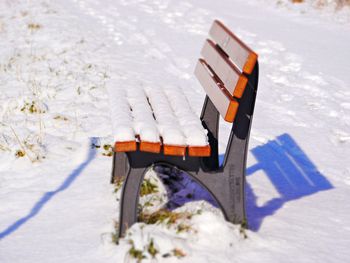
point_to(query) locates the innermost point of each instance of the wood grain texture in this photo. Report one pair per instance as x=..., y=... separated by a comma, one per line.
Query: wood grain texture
x=200, y=151
x=231, y=111
x=240, y=86
x=241, y=55
x=177, y=150
x=221, y=65
x=231, y=77
x=129, y=146
x=153, y=147
x=223, y=101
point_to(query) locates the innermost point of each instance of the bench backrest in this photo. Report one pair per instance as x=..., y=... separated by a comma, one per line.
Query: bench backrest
x=224, y=69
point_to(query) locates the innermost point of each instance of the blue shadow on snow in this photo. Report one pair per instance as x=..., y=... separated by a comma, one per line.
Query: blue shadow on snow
x=291, y=172
x=49, y=195
x=285, y=164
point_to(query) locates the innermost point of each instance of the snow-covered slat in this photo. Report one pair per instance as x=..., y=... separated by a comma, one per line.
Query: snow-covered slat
x=189, y=122
x=153, y=147
x=153, y=120
x=239, y=53
x=144, y=124
x=223, y=101
x=122, y=126
x=174, y=140
x=128, y=146
x=233, y=80
x=122, y=120
x=196, y=135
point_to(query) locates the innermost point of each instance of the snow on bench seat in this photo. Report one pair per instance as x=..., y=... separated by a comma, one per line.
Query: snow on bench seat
x=153, y=119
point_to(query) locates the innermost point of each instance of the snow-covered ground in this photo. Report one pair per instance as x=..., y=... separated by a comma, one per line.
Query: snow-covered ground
x=59, y=61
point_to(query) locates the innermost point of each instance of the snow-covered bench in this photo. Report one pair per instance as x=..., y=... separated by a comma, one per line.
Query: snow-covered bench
x=157, y=127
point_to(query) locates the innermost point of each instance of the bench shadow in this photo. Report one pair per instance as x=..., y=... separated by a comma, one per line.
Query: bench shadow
x=181, y=188
x=285, y=164
x=49, y=195
x=290, y=171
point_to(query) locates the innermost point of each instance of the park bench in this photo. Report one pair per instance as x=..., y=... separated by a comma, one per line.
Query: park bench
x=228, y=72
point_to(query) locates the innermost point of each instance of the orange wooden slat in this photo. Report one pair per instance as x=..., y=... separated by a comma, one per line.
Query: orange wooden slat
x=199, y=151
x=128, y=146
x=231, y=111
x=233, y=80
x=178, y=150
x=153, y=147
x=250, y=63
x=239, y=52
x=240, y=87
x=223, y=101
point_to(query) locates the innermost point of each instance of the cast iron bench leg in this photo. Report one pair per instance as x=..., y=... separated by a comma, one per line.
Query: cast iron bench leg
x=120, y=166
x=227, y=189
x=130, y=198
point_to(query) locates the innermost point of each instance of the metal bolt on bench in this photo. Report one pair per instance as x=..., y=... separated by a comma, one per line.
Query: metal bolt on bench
x=228, y=73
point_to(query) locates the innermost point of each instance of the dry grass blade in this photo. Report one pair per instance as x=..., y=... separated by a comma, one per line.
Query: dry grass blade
x=21, y=145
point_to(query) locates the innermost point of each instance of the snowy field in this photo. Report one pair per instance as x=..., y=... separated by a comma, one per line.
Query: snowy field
x=60, y=62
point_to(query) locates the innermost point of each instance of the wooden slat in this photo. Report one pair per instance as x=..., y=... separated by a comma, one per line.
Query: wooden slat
x=233, y=80
x=178, y=150
x=153, y=147
x=128, y=146
x=199, y=151
x=225, y=104
x=239, y=53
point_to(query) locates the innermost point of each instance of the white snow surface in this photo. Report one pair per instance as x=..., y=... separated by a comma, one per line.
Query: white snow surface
x=59, y=61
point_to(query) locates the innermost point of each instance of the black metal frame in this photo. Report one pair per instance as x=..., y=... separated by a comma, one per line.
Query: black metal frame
x=226, y=183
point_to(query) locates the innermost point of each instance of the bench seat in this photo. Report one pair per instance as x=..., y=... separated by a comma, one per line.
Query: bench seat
x=155, y=119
